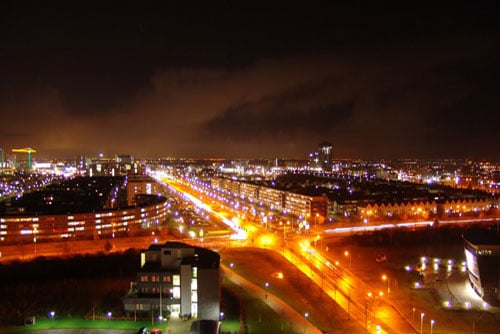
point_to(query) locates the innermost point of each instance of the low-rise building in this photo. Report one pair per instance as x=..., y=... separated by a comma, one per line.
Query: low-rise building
x=482, y=253
x=306, y=206
x=176, y=278
x=140, y=185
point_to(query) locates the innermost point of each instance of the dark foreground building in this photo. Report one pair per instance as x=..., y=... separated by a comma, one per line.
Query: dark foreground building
x=176, y=278
x=482, y=252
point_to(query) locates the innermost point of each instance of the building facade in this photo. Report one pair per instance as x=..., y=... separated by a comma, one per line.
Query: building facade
x=482, y=253
x=325, y=156
x=48, y=227
x=296, y=204
x=307, y=206
x=176, y=278
x=141, y=185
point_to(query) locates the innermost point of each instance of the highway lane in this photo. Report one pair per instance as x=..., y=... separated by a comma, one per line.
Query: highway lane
x=351, y=293
x=360, y=301
x=342, y=286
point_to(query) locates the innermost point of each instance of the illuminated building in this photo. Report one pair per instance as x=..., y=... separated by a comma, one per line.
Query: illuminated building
x=322, y=159
x=119, y=165
x=82, y=208
x=304, y=205
x=18, y=228
x=249, y=191
x=314, y=161
x=81, y=163
x=482, y=252
x=140, y=184
x=271, y=198
x=325, y=156
x=176, y=278
x=125, y=163
x=299, y=205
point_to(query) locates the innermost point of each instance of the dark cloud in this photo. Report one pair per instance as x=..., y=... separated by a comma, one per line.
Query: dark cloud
x=254, y=79
x=298, y=111
x=12, y=135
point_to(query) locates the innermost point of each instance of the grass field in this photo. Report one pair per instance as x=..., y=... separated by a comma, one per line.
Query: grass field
x=257, y=317
x=78, y=323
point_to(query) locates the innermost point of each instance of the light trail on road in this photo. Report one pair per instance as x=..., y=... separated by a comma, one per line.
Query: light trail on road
x=416, y=224
x=239, y=233
x=349, y=292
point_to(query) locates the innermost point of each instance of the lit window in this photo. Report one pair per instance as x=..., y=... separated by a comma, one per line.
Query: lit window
x=176, y=280
x=177, y=292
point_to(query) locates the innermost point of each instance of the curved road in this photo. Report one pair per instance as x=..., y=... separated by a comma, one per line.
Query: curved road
x=279, y=306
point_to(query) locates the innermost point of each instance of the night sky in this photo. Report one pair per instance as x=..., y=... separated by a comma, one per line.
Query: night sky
x=157, y=79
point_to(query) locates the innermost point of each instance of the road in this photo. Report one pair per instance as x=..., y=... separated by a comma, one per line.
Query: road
x=360, y=301
x=279, y=306
x=365, y=306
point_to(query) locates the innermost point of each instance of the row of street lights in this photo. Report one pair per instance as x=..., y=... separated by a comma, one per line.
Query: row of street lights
x=53, y=313
x=385, y=278
x=422, y=315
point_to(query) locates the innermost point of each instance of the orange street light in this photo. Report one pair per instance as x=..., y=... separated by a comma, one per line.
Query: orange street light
x=386, y=278
x=346, y=253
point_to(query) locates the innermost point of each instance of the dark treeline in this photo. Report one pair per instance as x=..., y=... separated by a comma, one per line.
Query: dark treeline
x=75, y=286
x=115, y=265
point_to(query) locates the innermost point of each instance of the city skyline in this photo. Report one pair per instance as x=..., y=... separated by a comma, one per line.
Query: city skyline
x=244, y=81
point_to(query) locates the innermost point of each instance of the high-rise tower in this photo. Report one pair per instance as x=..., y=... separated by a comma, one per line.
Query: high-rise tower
x=325, y=156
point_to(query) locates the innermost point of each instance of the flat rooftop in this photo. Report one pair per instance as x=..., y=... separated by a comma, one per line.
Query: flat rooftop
x=483, y=236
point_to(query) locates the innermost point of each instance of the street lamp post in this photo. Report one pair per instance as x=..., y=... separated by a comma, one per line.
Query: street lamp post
x=306, y=315
x=52, y=314
x=386, y=278
x=432, y=324
x=161, y=311
x=260, y=312
x=366, y=308
x=346, y=253
x=421, y=322
x=35, y=231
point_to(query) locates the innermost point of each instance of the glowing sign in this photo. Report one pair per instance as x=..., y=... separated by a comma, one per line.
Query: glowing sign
x=483, y=252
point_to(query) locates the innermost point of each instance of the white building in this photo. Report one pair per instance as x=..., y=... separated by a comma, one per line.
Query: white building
x=176, y=278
